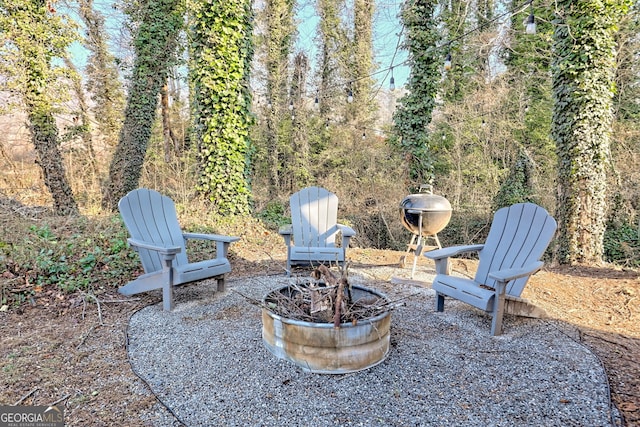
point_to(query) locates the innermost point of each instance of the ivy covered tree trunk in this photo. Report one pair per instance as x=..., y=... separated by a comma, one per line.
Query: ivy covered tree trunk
x=45, y=139
x=583, y=75
x=332, y=39
x=32, y=37
x=280, y=32
x=221, y=53
x=362, y=65
x=528, y=74
x=103, y=81
x=155, y=42
x=464, y=61
x=413, y=115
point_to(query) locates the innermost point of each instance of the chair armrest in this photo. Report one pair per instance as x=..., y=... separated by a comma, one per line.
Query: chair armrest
x=346, y=230
x=452, y=251
x=286, y=229
x=222, y=242
x=516, y=273
x=441, y=256
x=167, y=252
x=214, y=237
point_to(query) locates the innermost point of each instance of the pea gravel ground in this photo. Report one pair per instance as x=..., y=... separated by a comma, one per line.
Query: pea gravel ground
x=206, y=363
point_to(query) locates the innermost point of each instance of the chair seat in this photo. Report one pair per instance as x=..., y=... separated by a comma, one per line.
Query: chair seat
x=319, y=254
x=465, y=290
x=201, y=270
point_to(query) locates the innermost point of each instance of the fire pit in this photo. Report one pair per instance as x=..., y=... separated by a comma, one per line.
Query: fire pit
x=424, y=214
x=324, y=347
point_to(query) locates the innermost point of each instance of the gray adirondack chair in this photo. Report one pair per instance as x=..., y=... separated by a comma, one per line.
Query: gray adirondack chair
x=517, y=239
x=311, y=237
x=155, y=233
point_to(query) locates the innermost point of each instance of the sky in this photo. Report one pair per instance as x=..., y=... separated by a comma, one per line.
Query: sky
x=387, y=34
x=386, y=38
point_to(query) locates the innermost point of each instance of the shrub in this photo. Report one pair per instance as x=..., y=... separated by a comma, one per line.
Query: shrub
x=80, y=254
x=621, y=244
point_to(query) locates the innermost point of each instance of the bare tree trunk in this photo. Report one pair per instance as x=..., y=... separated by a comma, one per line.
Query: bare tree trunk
x=170, y=141
x=87, y=140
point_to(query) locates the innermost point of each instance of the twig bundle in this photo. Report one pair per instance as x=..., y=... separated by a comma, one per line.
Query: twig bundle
x=326, y=299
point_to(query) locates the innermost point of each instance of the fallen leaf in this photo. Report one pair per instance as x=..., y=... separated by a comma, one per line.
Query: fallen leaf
x=628, y=406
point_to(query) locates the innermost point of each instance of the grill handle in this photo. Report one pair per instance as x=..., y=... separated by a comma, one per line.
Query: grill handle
x=426, y=188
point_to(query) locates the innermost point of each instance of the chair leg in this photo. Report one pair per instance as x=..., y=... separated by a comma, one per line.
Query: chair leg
x=439, y=302
x=167, y=287
x=220, y=285
x=498, y=313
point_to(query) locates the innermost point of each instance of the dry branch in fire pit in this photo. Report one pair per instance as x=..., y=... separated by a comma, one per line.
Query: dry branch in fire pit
x=326, y=299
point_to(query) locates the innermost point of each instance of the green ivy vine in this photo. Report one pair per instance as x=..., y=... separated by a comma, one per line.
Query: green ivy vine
x=583, y=86
x=34, y=38
x=413, y=115
x=221, y=50
x=157, y=27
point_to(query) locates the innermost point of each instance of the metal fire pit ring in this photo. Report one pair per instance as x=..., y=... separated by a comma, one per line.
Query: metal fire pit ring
x=322, y=348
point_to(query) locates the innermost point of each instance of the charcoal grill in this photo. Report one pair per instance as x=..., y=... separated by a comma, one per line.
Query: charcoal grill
x=424, y=214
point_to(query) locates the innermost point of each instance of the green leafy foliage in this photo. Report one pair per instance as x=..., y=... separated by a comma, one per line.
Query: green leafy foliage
x=583, y=87
x=466, y=61
x=83, y=257
x=274, y=214
x=410, y=134
x=33, y=37
x=622, y=244
x=221, y=52
x=518, y=187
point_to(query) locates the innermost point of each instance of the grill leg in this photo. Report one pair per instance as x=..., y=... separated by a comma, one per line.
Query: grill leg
x=416, y=254
x=418, y=249
x=435, y=237
x=413, y=239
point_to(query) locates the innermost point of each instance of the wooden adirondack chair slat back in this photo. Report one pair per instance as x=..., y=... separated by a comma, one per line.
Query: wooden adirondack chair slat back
x=150, y=216
x=519, y=235
x=314, y=214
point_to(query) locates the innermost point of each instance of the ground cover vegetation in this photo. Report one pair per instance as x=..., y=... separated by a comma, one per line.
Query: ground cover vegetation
x=217, y=106
x=504, y=121
x=549, y=117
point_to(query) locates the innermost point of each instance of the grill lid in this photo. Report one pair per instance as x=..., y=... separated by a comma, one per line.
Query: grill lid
x=434, y=210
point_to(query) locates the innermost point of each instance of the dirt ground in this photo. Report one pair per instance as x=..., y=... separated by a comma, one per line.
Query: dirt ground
x=71, y=349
